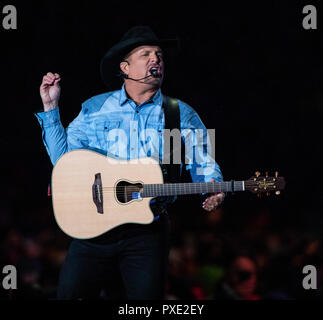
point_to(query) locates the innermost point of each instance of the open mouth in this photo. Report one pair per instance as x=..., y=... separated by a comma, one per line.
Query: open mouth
x=155, y=72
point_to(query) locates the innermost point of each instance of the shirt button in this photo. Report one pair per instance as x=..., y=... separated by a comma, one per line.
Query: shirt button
x=134, y=130
x=132, y=148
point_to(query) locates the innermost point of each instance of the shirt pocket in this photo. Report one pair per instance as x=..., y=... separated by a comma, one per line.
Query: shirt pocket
x=105, y=131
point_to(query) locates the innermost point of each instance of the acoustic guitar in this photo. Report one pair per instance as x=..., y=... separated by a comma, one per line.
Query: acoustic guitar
x=93, y=193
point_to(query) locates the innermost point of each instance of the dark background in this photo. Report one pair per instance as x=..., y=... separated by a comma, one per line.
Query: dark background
x=250, y=70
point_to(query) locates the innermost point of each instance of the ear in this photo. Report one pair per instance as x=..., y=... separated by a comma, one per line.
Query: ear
x=124, y=66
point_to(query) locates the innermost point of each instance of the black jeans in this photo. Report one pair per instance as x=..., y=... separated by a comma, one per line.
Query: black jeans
x=130, y=268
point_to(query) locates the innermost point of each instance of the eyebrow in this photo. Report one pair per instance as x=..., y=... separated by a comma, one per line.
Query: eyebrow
x=148, y=50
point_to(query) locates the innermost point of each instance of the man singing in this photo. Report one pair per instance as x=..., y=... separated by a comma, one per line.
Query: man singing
x=138, y=253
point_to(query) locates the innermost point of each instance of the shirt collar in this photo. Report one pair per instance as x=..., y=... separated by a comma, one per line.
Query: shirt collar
x=156, y=99
x=123, y=96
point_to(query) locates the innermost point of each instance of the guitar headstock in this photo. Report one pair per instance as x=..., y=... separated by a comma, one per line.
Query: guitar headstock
x=265, y=184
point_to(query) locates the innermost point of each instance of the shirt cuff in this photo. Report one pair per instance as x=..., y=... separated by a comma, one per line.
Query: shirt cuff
x=48, y=118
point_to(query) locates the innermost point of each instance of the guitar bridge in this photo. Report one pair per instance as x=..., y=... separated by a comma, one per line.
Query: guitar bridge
x=97, y=193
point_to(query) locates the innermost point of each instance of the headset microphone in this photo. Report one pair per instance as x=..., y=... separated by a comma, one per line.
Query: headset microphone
x=153, y=73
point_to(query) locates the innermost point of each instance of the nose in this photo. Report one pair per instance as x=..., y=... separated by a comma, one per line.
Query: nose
x=155, y=57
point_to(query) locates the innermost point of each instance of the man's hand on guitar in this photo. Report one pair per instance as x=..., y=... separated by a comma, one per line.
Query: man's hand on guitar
x=213, y=201
x=50, y=91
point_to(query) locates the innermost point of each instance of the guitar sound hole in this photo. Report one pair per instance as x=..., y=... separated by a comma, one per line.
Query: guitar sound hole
x=126, y=191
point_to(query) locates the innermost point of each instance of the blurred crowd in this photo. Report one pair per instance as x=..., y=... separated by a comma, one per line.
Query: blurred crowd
x=218, y=255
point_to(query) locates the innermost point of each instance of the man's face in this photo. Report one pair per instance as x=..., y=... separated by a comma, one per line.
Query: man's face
x=141, y=60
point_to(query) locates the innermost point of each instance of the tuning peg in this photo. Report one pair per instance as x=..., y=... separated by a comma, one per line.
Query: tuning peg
x=257, y=173
x=267, y=193
x=266, y=174
x=276, y=174
x=277, y=192
x=259, y=195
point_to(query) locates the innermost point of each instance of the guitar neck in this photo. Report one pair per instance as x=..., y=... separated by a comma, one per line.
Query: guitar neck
x=173, y=189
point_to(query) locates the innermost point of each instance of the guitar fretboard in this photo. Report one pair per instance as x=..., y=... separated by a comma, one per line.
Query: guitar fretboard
x=172, y=189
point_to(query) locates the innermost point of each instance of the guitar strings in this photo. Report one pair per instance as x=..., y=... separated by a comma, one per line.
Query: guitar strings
x=179, y=185
x=173, y=187
x=178, y=188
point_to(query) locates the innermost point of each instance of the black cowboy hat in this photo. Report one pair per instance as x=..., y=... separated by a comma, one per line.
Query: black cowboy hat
x=133, y=38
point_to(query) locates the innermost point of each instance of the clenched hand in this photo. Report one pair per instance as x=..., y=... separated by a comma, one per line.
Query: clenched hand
x=50, y=90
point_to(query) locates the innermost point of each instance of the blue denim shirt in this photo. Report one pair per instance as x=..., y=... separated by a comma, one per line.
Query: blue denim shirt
x=114, y=110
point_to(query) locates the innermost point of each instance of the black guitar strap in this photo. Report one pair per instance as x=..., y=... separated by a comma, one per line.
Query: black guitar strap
x=172, y=121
